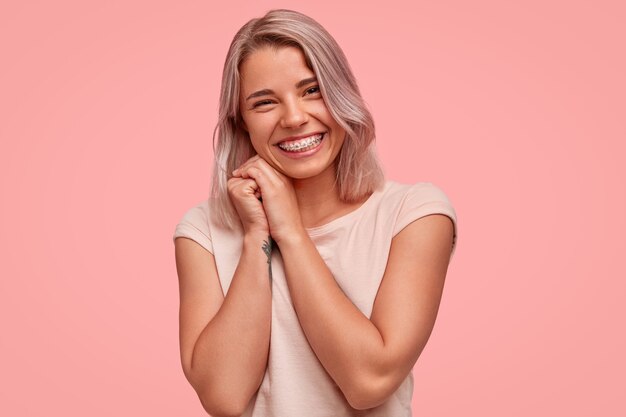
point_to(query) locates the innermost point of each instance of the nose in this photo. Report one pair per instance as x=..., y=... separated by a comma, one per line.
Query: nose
x=293, y=115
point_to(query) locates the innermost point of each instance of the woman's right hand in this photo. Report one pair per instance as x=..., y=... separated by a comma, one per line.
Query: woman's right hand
x=244, y=194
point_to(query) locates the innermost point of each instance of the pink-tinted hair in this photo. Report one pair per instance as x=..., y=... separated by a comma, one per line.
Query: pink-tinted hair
x=358, y=170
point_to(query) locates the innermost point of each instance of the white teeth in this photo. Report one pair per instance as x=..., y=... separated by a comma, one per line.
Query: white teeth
x=303, y=144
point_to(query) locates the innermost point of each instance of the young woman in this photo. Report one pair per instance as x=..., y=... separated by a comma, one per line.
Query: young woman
x=309, y=285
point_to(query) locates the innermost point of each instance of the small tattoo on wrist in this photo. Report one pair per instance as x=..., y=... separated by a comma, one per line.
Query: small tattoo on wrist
x=267, y=248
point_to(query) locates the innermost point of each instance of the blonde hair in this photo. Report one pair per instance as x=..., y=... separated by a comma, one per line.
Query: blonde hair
x=358, y=170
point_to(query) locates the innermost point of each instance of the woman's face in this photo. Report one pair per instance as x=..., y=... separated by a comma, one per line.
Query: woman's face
x=285, y=116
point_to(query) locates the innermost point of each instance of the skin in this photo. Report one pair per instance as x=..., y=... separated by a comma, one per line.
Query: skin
x=367, y=358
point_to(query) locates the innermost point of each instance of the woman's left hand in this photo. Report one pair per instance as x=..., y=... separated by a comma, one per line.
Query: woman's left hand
x=278, y=198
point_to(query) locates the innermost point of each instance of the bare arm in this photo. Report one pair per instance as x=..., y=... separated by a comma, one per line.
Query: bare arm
x=224, y=340
x=369, y=359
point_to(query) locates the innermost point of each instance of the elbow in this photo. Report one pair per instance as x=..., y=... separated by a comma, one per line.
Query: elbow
x=369, y=393
x=218, y=403
x=216, y=398
x=222, y=411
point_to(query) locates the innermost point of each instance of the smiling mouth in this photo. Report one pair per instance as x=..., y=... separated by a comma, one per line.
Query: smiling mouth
x=302, y=145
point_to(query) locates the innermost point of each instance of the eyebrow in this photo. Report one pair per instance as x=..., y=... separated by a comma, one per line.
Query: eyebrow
x=267, y=91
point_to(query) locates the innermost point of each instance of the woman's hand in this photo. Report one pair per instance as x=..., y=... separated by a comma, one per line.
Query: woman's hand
x=278, y=197
x=244, y=194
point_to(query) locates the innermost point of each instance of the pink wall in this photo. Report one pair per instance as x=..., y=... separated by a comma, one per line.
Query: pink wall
x=516, y=111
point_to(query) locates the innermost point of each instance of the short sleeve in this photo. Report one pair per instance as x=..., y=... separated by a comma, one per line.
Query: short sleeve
x=195, y=226
x=421, y=200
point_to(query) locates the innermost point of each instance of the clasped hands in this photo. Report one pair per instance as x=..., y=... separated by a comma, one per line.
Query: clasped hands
x=265, y=200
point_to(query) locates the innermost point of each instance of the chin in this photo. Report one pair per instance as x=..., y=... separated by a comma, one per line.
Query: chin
x=305, y=172
x=300, y=174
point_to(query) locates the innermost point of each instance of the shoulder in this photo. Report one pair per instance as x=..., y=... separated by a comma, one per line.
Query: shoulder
x=424, y=191
x=199, y=215
x=201, y=224
x=195, y=225
x=414, y=201
x=413, y=196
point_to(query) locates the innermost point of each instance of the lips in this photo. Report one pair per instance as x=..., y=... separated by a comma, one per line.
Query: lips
x=302, y=143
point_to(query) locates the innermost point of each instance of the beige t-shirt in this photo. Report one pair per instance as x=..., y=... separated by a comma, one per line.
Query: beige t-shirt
x=355, y=247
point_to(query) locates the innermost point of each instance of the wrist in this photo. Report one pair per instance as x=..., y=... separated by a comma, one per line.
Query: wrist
x=294, y=238
x=255, y=236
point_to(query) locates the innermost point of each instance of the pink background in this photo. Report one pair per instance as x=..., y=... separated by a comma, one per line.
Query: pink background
x=515, y=109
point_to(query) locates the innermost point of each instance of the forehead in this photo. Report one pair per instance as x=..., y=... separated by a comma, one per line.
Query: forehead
x=272, y=67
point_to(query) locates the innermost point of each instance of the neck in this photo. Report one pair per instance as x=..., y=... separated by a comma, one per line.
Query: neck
x=318, y=198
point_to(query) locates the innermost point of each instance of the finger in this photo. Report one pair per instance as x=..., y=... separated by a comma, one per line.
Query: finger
x=263, y=165
x=242, y=187
x=237, y=182
x=250, y=162
x=264, y=173
x=247, y=163
x=250, y=186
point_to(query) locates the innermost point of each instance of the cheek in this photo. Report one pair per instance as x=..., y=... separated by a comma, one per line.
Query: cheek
x=320, y=111
x=322, y=114
x=260, y=126
x=258, y=144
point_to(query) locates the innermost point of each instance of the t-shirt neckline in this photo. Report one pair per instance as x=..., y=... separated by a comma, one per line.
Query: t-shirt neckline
x=335, y=223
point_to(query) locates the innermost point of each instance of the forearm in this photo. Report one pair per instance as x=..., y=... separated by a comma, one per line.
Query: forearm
x=347, y=343
x=230, y=356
